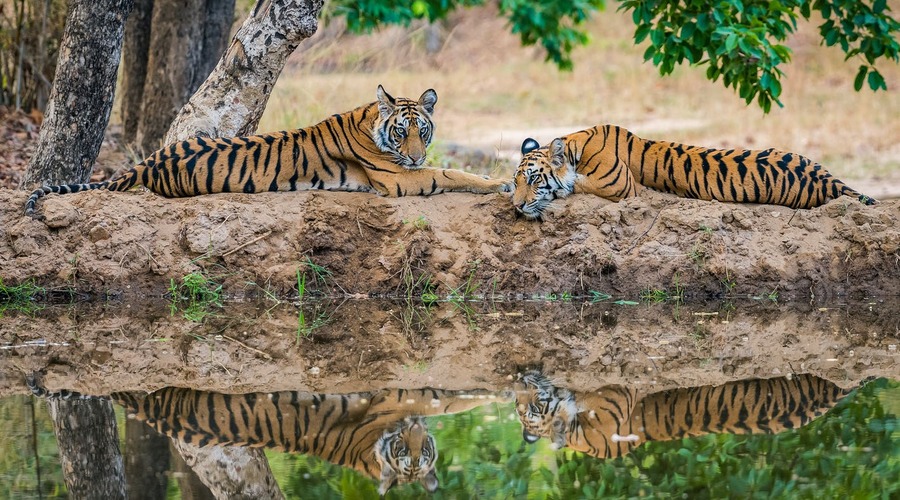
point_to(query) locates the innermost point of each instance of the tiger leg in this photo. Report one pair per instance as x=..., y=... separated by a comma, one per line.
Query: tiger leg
x=426, y=181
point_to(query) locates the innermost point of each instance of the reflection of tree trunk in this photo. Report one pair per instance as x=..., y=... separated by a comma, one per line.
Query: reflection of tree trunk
x=134, y=62
x=82, y=93
x=229, y=103
x=88, y=447
x=186, y=39
x=231, y=471
x=146, y=461
x=192, y=488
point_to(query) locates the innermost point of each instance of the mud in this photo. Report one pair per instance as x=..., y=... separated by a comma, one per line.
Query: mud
x=131, y=245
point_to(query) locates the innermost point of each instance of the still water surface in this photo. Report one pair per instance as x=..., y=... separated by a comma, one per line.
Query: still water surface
x=586, y=429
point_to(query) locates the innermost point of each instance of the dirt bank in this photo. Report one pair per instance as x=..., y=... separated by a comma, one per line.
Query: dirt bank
x=369, y=344
x=133, y=243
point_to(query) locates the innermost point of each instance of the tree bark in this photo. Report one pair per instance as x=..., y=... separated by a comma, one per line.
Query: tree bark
x=146, y=461
x=134, y=73
x=186, y=38
x=82, y=93
x=231, y=101
x=174, y=55
x=88, y=447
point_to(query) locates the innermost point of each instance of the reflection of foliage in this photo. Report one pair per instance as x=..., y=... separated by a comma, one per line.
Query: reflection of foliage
x=18, y=474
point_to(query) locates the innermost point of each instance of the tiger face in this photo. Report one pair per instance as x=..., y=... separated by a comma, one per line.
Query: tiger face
x=543, y=175
x=404, y=128
x=407, y=454
x=545, y=410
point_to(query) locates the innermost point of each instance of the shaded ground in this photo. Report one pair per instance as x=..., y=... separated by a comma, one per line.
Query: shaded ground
x=370, y=344
x=133, y=244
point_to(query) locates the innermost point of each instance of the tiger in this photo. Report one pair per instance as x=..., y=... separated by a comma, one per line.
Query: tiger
x=382, y=433
x=612, y=162
x=615, y=420
x=379, y=147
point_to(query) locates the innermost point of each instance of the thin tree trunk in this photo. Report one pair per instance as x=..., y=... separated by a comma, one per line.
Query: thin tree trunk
x=134, y=58
x=82, y=93
x=88, y=447
x=229, y=103
x=146, y=461
x=174, y=55
x=216, y=35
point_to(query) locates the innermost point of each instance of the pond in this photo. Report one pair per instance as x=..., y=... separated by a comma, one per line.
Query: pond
x=552, y=398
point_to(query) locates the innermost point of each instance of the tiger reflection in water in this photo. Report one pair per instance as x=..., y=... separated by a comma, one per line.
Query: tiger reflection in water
x=615, y=420
x=379, y=433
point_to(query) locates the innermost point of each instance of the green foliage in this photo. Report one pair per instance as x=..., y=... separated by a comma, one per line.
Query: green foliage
x=195, y=296
x=552, y=24
x=742, y=41
x=21, y=297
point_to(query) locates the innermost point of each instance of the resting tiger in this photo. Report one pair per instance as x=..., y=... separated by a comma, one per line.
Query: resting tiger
x=379, y=147
x=380, y=433
x=614, y=420
x=611, y=162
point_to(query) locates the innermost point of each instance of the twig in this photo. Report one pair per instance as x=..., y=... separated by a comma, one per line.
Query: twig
x=262, y=353
x=638, y=240
x=242, y=245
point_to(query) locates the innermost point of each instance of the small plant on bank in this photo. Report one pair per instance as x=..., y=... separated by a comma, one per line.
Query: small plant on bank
x=21, y=297
x=655, y=295
x=596, y=296
x=467, y=290
x=195, y=295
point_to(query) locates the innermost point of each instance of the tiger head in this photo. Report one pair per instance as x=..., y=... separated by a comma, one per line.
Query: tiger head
x=407, y=453
x=543, y=175
x=545, y=410
x=404, y=128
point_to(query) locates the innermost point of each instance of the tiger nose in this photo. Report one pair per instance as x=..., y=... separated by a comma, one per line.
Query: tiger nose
x=417, y=157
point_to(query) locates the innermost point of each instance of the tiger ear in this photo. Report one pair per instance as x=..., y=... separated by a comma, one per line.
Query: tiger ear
x=388, y=479
x=385, y=102
x=558, y=152
x=529, y=145
x=428, y=100
x=430, y=481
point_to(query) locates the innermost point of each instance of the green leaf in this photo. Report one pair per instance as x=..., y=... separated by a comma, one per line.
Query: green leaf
x=876, y=81
x=860, y=77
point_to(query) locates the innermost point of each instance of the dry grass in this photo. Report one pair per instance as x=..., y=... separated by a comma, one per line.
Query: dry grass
x=493, y=93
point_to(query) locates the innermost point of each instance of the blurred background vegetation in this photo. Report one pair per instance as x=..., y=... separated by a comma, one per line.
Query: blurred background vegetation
x=851, y=452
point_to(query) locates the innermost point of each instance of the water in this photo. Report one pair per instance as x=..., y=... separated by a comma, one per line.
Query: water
x=553, y=399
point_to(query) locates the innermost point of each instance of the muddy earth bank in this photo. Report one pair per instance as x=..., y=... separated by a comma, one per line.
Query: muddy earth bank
x=132, y=244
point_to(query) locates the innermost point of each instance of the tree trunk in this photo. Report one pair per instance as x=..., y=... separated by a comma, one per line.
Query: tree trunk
x=146, y=461
x=231, y=101
x=82, y=93
x=216, y=34
x=88, y=447
x=134, y=73
x=174, y=55
x=186, y=38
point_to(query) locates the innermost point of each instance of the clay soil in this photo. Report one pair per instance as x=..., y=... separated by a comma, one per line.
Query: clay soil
x=132, y=245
